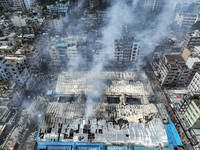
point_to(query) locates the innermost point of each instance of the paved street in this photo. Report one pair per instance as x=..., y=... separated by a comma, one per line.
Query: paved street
x=161, y=98
x=179, y=128
x=158, y=91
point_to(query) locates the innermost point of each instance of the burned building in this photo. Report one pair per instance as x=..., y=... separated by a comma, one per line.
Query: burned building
x=107, y=110
x=110, y=124
x=110, y=84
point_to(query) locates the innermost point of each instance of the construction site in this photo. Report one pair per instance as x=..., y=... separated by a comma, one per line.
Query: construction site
x=108, y=110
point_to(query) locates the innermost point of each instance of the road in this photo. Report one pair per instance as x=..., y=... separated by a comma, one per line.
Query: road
x=9, y=128
x=29, y=136
x=179, y=128
x=158, y=91
x=161, y=98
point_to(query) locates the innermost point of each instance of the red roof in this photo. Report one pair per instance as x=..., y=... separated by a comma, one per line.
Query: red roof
x=13, y=144
x=174, y=65
x=174, y=58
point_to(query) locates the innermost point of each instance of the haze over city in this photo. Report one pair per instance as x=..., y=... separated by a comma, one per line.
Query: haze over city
x=99, y=74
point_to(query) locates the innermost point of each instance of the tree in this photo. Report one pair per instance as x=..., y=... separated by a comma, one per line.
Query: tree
x=45, y=7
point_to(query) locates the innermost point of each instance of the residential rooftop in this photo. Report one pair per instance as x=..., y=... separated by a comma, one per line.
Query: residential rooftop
x=13, y=60
x=174, y=58
x=5, y=47
x=195, y=33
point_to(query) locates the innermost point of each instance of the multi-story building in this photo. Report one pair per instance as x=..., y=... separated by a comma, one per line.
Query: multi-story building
x=194, y=86
x=192, y=59
x=54, y=23
x=181, y=7
x=10, y=91
x=6, y=3
x=59, y=8
x=27, y=38
x=94, y=3
x=5, y=111
x=126, y=50
x=6, y=26
x=4, y=23
x=171, y=71
x=192, y=39
x=27, y=25
x=29, y=3
x=187, y=7
x=62, y=52
x=18, y=20
x=7, y=88
x=54, y=55
x=101, y=17
x=14, y=68
x=193, y=7
x=186, y=20
x=32, y=57
x=68, y=49
x=192, y=114
x=20, y=5
x=177, y=70
x=8, y=44
x=24, y=5
x=189, y=115
x=153, y=6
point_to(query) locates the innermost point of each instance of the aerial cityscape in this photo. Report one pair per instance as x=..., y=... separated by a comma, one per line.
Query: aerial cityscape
x=100, y=75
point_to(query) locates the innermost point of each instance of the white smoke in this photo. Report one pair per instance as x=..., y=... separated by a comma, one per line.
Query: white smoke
x=92, y=100
x=120, y=14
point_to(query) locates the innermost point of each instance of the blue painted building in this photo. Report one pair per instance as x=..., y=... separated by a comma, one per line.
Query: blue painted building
x=59, y=8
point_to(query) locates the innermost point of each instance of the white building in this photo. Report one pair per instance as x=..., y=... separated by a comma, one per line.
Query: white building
x=19, y=5
x=194, y=87
x=28, y=4
x=192, y=59
x=192, y=114
x=24, y=5
x=185, y=21
x=192, y=39
x=153, y=6
x=8, y=44
x=14, y=68
x=5, y=111
x=181, y=7
x=8, y=40
x=56, y=24
x=67, y=49
x=126, y=50
x=19, y=20
x=59, y=8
